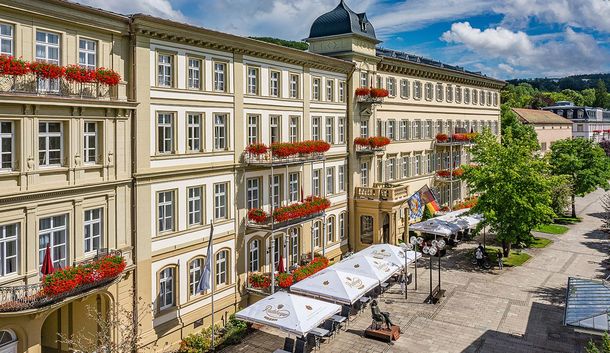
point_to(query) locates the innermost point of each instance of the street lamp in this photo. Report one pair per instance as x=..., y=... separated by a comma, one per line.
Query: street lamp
x=431, y=250
x=406, y=247
x=415, y=241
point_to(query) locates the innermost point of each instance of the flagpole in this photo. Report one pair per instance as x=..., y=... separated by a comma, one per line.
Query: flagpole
x=211, y=283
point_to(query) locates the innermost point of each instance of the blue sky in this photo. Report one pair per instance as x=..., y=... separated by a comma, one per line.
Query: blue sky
x=501, y=38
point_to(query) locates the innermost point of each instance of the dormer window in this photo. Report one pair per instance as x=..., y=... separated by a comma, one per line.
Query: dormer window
x=363, y=26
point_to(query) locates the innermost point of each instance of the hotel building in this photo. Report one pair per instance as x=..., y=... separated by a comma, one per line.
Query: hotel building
x=149, y=167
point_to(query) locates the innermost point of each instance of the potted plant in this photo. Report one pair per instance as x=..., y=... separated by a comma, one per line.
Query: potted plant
x=442, y=137
x=259, y=280
x=257, y=215
x=46, y=70
x=107, y=76
x=379, y=141
x=362, y=91
x=257, y=149
x=12, y=66
x=76, y=73
x=378, y=93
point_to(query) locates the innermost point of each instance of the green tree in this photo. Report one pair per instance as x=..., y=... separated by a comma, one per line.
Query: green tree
x=513, y=129
x=515, y=192
x=560, y=195
x=588, y=96
x=601, y=95
x=605, y=345
x=584, y=162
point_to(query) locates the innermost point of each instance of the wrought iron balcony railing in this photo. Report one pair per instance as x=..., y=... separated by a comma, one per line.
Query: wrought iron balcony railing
x=267, y=160
x=31, y=85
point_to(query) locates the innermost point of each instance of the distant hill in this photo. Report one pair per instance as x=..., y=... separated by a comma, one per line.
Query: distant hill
x=576, y=82
x=285, y=43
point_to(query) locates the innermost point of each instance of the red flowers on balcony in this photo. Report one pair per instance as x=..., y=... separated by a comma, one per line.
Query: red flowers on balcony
x=286, y=279
x=76, y=73
x=259, y=280
x=457, y=137
x=374, y=94
x=363, y=91
x=442, y=137
x=316, y=265
x=467, y=203
x=257, y=148
x=309, y=206
x=458, y=172
x=70, y=278
x=287, y=149
x=373, y=142
x=46, y=70
x=107, y=77
x=12, y=66
x=379, y=93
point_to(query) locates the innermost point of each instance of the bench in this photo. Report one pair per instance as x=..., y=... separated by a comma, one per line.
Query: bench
x=436, y=295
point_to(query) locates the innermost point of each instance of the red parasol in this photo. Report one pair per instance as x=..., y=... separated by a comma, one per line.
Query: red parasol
x=47, y=262
x=280, y=264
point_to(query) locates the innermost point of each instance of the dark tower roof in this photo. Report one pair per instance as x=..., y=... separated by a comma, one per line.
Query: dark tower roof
x=342, y=20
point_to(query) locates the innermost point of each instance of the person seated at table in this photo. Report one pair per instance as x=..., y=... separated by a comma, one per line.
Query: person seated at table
x=382, y=316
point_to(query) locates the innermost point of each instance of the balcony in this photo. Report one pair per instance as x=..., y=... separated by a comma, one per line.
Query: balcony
x=448, y=176
x=370, y=96
x=282, y=154
x=74, y=281
x=287, y=216
x=32, y=85
x=458, y=139
x=371, y=145
x=383, y=192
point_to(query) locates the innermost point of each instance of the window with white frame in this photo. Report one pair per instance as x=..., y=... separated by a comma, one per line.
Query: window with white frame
x=449, y=93
x=341, y=130
x=364, y=79
x=193, y=127
x=50, y=143
x=404, y=88
x=391, y=85
x=482, y=97
x=429, y=129
x=47, y=50
x=342, y=226
x=165, y=211
x=221, y=268
x=294, y=129
x=475, y=97
x=404, y=129
x=53, y=231
x=417, y=90
x=330, y=90
x=330, y=130
x=165, y=132
x=466, y=95
x=166, y=288
x=275, y=184
x=439, y=92
x=488, y=98
x=330, y=229
x=417, y=165
x=90, y=143
x=220, y=201
x=330, y=180
x=458, y=94
x=294, y=86
x=195, y=205
x=220, y=131
x=379, y=170
x=6, y=39
x=364, y=174
x=416, y=134
x=274, y=84
x=87, y=54
x=405, y=166
x=253, y=255
x=341, y=177
x=253, y=129
x=439, y=126
x=194, y=73
x=315, y=233
x=495, y=100
x=315, y=128
x=342, y=91
x=429, y=91
x=9, y=260
x=7, y=144
x=316, y=182
x=391, y=130
x=93, y=230
x=165, y=70
x=364, y=128
x=220, y=75
x=391, y=168
x=195, y=271
x=293, y=233
x=253, y=193
x=276, y=253
x=275, y=128
x=315, y=90
x=252, y=80
x=379, y=80
x=293, y=187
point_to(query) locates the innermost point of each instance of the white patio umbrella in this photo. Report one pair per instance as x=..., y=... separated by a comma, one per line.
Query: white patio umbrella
x=436, y=226
x=336, y=285
x=360, y=264
x=390, y=253
x=289, y=312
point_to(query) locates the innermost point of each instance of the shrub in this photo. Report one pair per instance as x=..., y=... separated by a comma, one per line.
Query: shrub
x=233, y=333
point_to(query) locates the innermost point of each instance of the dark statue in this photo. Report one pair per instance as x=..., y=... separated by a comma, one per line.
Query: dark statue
x=379, y=316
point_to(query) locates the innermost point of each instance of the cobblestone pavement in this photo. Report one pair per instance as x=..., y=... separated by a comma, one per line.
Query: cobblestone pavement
x=513, y=310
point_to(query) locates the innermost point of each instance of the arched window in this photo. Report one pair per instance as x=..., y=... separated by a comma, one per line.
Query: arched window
x=253, y=255
x=8, y=341
x=315, y=233
x=195, y=270
x=167, y=288
x=330, y=229
x=342, y=225
x=222, y=273
x=294, y=250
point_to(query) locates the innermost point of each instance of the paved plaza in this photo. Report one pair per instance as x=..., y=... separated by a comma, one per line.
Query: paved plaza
x=513, y=310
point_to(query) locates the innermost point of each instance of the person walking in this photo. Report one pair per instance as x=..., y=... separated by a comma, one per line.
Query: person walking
x=478, y=254
x=500, y=256
x=403, y=283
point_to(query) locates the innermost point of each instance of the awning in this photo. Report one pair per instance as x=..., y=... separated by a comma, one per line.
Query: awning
x=335, y=285
x=289, y=312
x=587, y=304
x=368, y=266
x=390, y=253
x=448, y=224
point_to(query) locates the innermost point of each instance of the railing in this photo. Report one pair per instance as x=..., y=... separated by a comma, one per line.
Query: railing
x=30, y=84
x=277, y=226
x=383, y=192
x=266, y=159
x=455, y=139
x=360, y=149
x=369, y=99
x=33, y=296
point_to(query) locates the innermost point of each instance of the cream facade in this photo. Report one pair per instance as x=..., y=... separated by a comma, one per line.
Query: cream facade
x=66, y=171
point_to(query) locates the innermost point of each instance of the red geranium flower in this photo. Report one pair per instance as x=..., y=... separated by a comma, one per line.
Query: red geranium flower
x=11, y=66
x=107, y=76
x=46, y=70
x=76, y=73
x=442, y=137
x=379, y=92
x=362, y=91
x=257, y=148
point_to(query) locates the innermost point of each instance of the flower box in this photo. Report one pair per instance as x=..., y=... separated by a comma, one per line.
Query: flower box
x=372, y=142
x=259, y=280
x=257, y=215
x=284, y=279
x=309, y=206
x=46, y=70
x=442, y=138
x=378, y=93
x=257, y=148
x=316, y=265
x=12, y=66
x=76, y=73
x=107, y=76
x=363, y=91
x=467, y=203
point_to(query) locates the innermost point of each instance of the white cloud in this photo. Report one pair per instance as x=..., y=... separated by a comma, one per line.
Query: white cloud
x=506, y=68
x=571, y=53
x=158, y=8
x=591, y=14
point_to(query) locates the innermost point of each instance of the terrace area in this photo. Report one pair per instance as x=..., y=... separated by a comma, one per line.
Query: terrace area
x=383, y=192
